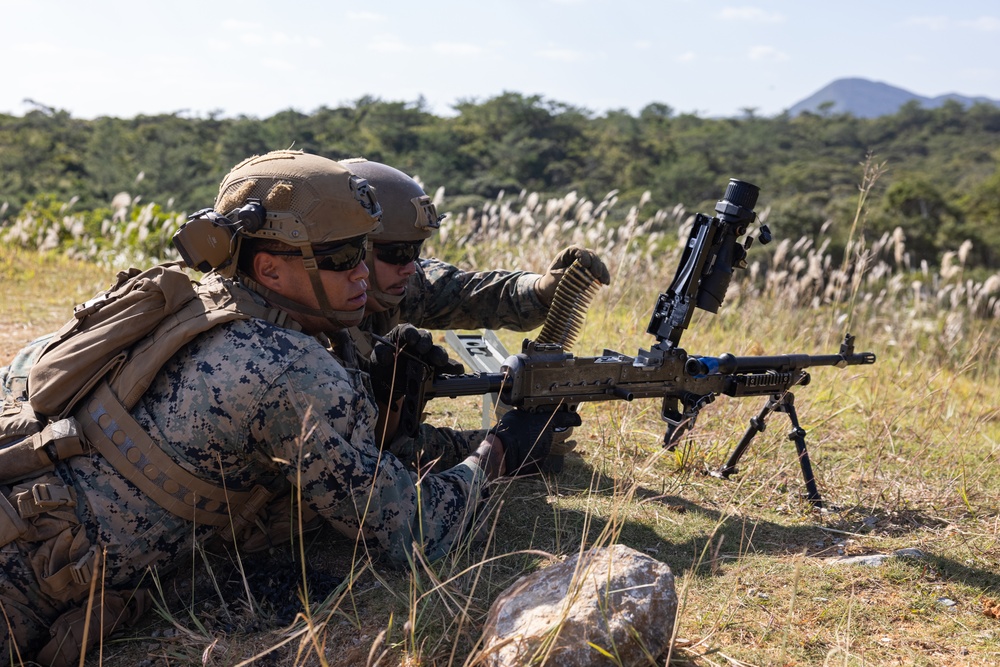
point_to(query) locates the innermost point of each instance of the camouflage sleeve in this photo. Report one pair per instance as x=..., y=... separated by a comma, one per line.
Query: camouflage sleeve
x=327, y=448
x=440, y=296
x=14, y=377
x=436, y=448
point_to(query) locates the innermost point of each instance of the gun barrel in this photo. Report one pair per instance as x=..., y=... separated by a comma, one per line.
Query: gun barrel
x=728, y=363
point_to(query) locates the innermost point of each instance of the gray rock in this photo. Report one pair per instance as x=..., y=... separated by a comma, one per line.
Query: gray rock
x=871, y=560
x=909, y=552
x=615, y=598
x=875, y=560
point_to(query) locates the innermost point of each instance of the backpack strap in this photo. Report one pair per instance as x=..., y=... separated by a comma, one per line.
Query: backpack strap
x=119, y=438
x=36, y=453
x=217, y=301
x=362, y=343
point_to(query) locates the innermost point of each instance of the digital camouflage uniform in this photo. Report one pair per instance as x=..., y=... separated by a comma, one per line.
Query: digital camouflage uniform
x=246, y=403
x=442, y=296
x=14, y=377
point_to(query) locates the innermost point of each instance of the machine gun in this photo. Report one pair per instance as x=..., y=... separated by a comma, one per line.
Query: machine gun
x=544, y=376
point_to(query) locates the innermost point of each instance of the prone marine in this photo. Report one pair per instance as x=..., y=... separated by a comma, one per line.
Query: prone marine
x=265, y=399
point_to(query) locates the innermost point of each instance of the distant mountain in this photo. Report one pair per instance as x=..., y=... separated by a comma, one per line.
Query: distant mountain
x=869, y=99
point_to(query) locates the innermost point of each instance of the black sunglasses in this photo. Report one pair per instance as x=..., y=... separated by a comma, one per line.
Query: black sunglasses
x=400, y=254
x=340, y=256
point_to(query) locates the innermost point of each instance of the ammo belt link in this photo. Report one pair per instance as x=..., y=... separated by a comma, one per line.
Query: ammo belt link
x=119, y=438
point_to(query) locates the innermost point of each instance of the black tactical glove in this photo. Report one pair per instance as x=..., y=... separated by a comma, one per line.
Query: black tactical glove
x=406, y=352
x=546, y=285
x=527, y=437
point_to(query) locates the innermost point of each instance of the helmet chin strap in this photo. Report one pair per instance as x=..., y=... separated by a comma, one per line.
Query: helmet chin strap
x=342, y=319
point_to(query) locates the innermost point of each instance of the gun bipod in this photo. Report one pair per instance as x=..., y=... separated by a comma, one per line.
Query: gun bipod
x=783, y=402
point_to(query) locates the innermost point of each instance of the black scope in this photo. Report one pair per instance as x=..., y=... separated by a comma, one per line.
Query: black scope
x=735, y=213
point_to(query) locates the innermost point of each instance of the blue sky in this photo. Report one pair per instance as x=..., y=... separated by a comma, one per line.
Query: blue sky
x=256, y=58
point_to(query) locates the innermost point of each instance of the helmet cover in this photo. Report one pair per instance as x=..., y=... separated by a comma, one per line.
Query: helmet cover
x=309, y=199
x=408, y=214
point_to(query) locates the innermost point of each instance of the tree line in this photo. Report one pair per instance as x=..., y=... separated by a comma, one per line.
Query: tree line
x=941, y=183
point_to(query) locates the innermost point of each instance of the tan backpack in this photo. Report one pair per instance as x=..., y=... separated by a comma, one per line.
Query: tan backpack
x=36, y=432
x=97, y=341
x=109, y=353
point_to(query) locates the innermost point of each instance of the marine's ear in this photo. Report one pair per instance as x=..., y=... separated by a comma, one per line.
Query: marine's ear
x=268, y=269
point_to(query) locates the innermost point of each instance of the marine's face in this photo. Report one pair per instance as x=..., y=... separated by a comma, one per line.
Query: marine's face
x=346, y=290
x=392, y=264
x=392, y=278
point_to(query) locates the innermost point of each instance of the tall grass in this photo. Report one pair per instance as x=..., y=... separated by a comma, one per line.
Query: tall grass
x=905, y=452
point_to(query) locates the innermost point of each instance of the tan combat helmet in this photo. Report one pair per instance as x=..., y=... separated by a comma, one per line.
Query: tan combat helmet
x=408, y=214
x=309, y=200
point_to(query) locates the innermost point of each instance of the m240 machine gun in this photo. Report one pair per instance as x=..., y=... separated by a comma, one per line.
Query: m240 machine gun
x=545, y=376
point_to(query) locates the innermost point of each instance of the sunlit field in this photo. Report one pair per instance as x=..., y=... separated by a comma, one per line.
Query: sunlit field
x=905, y=453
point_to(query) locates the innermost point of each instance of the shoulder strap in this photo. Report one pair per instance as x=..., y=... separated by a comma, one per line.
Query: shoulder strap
x=362, y=342
x=113, y=432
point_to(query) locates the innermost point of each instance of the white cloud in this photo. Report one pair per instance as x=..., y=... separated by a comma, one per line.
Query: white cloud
x=751, y=14
x=768, y=53
x=279, y=39
x=456, y=49
x=39, y=48
x=232, y=25
x=686, y=57
x=277, y=65
x=563, y=55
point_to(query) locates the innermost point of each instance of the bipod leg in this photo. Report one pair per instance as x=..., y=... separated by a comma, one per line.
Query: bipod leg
x=757, y=424
x=798, y=436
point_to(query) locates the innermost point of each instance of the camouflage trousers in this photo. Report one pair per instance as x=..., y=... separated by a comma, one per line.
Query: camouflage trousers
x=48, y=569
x=26, y=613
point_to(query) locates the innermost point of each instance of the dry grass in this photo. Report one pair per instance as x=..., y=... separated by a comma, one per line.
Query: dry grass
x=905, y=453
x=38, y=292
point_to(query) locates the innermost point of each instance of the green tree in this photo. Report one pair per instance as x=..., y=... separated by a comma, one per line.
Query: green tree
x=916, y=206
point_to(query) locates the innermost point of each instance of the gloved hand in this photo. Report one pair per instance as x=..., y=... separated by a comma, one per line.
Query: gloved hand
x=391, y=358
x=527, y=437
x=546, y=285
